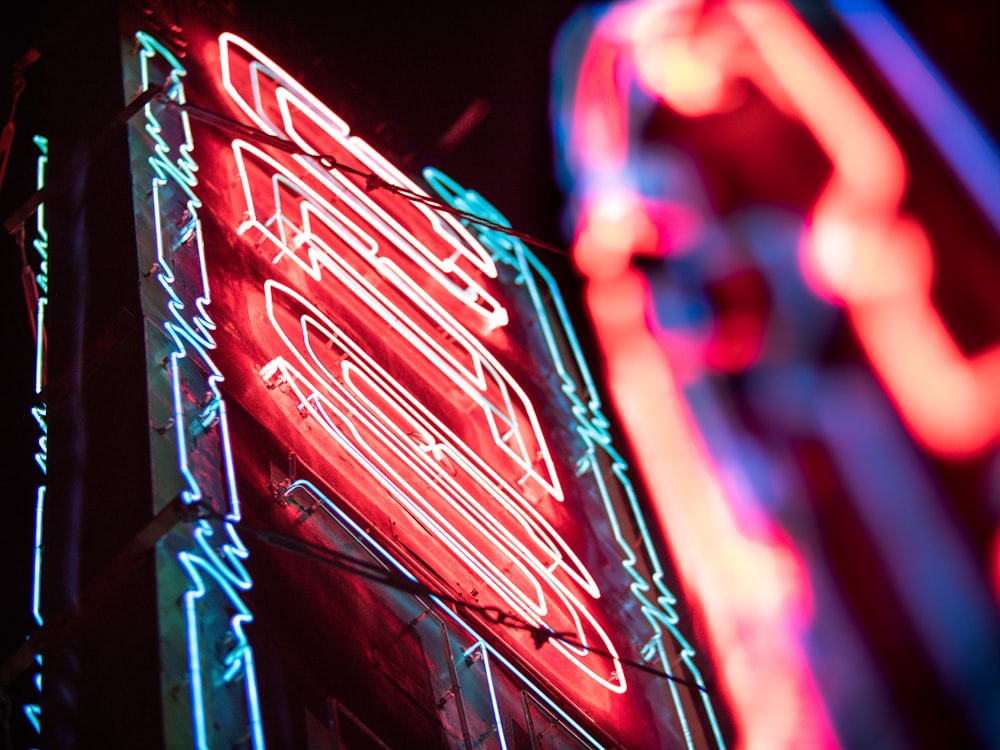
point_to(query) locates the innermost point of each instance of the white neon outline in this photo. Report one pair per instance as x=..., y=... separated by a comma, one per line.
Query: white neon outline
x=458, y=355
x=343, y=415
x=288, y=93
x=661, y=612
x=471, y=367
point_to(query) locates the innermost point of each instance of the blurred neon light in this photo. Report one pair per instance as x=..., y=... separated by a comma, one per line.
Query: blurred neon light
x=217, y=554
x=752, y=585
x=923, y=551
x=357, y=244
x=865, y=253
x=861, y=251
x=963, y=141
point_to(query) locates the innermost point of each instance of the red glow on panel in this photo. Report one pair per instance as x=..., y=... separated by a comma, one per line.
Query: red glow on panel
x=407, y=275
x=425, y=375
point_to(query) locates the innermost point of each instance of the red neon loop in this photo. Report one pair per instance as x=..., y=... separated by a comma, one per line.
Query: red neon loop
x=404, y=306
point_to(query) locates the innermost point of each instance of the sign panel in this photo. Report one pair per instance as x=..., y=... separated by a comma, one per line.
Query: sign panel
x=346, y=357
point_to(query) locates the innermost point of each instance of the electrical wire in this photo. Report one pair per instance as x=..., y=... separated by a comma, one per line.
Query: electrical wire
x=372, y=180
x=379, y=574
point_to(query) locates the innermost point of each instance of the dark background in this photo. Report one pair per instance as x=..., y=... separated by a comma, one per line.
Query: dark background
x=410, y=71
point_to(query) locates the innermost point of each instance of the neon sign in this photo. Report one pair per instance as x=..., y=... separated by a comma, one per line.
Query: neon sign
x=392, y=256
x=371, y=331
x=370, y=413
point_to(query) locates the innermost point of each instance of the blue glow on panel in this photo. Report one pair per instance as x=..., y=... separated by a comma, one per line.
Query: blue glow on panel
x=442, y=608
x=956, y=133
x=213, y=560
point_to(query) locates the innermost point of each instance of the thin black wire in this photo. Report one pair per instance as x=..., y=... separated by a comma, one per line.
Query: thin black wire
x=372, y=180
x=345, y=562
x=377, y=573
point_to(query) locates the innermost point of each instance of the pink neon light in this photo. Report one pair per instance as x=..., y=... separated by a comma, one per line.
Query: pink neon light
x=473, y=474
x=861, y=251
x=752, y=587
x=864, y=253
